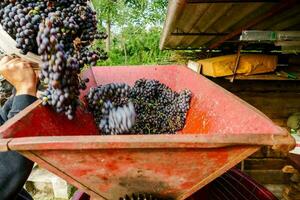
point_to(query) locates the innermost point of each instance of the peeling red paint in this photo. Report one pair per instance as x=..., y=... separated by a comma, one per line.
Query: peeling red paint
x=112, y=166
x=172, y=172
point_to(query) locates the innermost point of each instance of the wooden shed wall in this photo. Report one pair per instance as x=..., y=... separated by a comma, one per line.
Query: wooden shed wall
x=278, y=100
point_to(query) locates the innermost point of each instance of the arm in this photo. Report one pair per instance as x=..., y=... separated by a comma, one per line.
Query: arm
x=19, y=103
x=21, y=75
x=14, y=168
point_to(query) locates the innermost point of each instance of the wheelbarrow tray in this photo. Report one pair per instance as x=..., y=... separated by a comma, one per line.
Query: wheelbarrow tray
x=221, y=130
x=234, y=184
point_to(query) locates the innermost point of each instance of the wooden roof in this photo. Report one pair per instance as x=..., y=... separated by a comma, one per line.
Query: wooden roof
x=197, y=23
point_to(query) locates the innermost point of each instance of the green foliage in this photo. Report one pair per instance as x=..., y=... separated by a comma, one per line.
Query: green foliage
x=110, y=11
x=138, y=47
x=136, y=27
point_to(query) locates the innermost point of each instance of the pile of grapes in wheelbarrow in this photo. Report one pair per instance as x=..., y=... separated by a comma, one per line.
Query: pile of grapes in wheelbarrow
x=147, y=101
x=149, y=107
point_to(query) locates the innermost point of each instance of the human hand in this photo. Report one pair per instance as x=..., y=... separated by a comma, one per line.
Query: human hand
x=20, y=74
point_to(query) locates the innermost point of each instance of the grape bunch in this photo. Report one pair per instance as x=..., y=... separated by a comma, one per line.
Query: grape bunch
x=149, y=107
x=140, y=197
x=61, y=32
x=21, y=21
x=113, y=111
x=159, y=109
x=117, y=120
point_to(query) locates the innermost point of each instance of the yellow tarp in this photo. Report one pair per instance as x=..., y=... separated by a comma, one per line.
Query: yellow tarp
x=249, y=64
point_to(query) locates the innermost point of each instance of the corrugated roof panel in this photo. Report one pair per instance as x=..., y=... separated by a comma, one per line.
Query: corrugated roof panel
x=185, y=20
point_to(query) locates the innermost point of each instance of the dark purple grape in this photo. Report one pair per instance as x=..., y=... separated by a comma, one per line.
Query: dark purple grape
x=60, y=31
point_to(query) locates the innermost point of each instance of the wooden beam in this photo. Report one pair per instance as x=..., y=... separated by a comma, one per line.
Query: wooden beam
x=197, y=33
x=264, y=163
x=268, y=176
x=265, y=77
x=288, y=43
x=175, y=9
x=278, y=8
x=237, y=62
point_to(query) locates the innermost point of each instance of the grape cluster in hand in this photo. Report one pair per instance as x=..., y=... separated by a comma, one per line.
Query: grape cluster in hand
x=149, y=107
x=61, y=32
x=113, y=111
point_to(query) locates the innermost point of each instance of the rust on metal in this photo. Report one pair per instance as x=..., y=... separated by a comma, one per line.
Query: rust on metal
x=278, y=142
x=216, y=137
x=54, y=169
x=37, y=120
x=167, y=172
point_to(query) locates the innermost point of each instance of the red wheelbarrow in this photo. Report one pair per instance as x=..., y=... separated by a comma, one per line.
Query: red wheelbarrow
x=233, y=185
x=221, y=130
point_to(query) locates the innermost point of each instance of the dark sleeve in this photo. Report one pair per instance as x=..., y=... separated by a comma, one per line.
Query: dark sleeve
x=4, y=110
x=14, y=172
x=14, y=168
x=19, y=103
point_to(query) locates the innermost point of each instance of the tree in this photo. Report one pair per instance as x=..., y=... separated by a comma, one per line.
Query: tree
x=134, y=27
x=107, y=12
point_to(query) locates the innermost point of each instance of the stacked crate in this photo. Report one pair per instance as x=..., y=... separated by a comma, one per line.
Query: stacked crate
x=278, y=100
x=265, y=166
x=292, y=191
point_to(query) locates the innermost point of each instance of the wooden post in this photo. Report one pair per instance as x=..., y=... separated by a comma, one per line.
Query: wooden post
x=237, y=62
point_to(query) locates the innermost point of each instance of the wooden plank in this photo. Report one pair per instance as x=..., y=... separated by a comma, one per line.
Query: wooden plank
x=294, y=160
x=268, y=96
x=239, y=16
x=268, y=24
x=267, y=152
x=278, y=8
x=290, y=193
x=258, y=86
x=284, y=22
x=175, y=9
x=276, y=189
x=210, y=16
x=190, y=17
x=269, y=176
x=176, y=42
x=229, y=17
x=273, y=104
x=264, y=163
x=265, y=77
x=288, y=43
